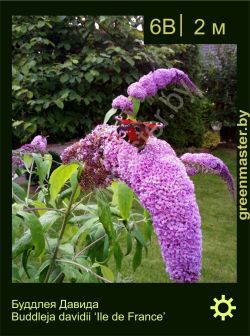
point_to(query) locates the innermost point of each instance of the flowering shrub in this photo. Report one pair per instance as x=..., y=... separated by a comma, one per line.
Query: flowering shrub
x=91, y=198
x=211, y=139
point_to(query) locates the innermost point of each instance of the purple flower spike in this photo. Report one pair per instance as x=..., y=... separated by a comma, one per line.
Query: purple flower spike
x=160, y=180
x=137, y=90
x=164, y=77
x=90, y=151
x=207, y=163
x=16, y=162
x=149, y=84
x=183, y=79
x=159, y=79
x=123, y=103
x=37, y=145
x=40, y=143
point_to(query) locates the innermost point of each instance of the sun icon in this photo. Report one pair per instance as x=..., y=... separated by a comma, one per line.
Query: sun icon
x=221, y=305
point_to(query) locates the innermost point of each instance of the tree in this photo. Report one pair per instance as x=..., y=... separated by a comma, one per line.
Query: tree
x=67, y=70
x=220, y=84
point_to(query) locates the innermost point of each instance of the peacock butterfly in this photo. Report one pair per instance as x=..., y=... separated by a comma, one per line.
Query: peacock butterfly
x=136, y=132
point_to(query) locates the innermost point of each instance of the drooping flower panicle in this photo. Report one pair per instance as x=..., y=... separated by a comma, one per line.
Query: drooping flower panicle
x=149, y=84
x=123, y=103
x=207, y=163
x=137, y=90
x=37, y=145
x=90, y=151
x=159, y=179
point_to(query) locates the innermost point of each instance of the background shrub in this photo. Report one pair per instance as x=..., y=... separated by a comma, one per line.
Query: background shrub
x=219, y=82
x=211, y=139
x=67, y=70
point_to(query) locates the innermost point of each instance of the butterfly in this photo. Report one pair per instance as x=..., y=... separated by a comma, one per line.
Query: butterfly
x=136, y=132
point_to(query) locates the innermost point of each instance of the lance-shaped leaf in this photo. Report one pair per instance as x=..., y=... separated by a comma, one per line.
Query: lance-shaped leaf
x=59, y=177
x=36, y=231
x=109, y=114
x=124, y=199
x=104, y=214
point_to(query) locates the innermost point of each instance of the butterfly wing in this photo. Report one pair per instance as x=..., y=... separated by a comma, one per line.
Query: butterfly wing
x=124, y=121
x=152, y=126
x=136, y=132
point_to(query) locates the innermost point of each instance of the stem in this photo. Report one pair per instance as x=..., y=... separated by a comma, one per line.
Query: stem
x=17, y=198
x=45, y=209
x=87, y=247
x=81, y=200
x=65, y=220
x=85, y=269
x=29, y=182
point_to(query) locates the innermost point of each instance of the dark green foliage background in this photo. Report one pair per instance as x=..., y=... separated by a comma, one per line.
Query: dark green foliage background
x=219, y=82
x=67, y=70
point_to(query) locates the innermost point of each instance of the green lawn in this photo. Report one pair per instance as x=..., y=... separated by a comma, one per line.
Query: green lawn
x=218, y=214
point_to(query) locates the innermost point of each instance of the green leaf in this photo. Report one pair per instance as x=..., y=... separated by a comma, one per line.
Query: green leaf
x=136, y=232
x=125, y=199
x=69, y=232
x=39, y=204
x=107, y=273
x=74, y=182
x=46, y=104
x=42, y=271
x=16, y=221
x=15, y=88
x=25, y=242
x=89, y=77
x=117, y=255
x=129, y=60
x=36, y=231
x=66, y=249
x=30, y=94
x=106, y=248
x=48, y=159
x=59, y=103
x=67, y=46
x=40, y=24
x=147, y=226
x=18, y=191
x=104, y=214
x=15, y=273
x=42, y=166
x=17, y=123
x=49, y=218
x=27, y=159
x=22, y=244
x=136, y=106
x=137, y=256
x=109, y=114
x=64, y=78
x=25, y=258
x=58, y=178
x=129, y=243
x=114, y=188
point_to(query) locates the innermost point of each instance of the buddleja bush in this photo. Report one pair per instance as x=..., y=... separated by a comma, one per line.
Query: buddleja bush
x=61, y=234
